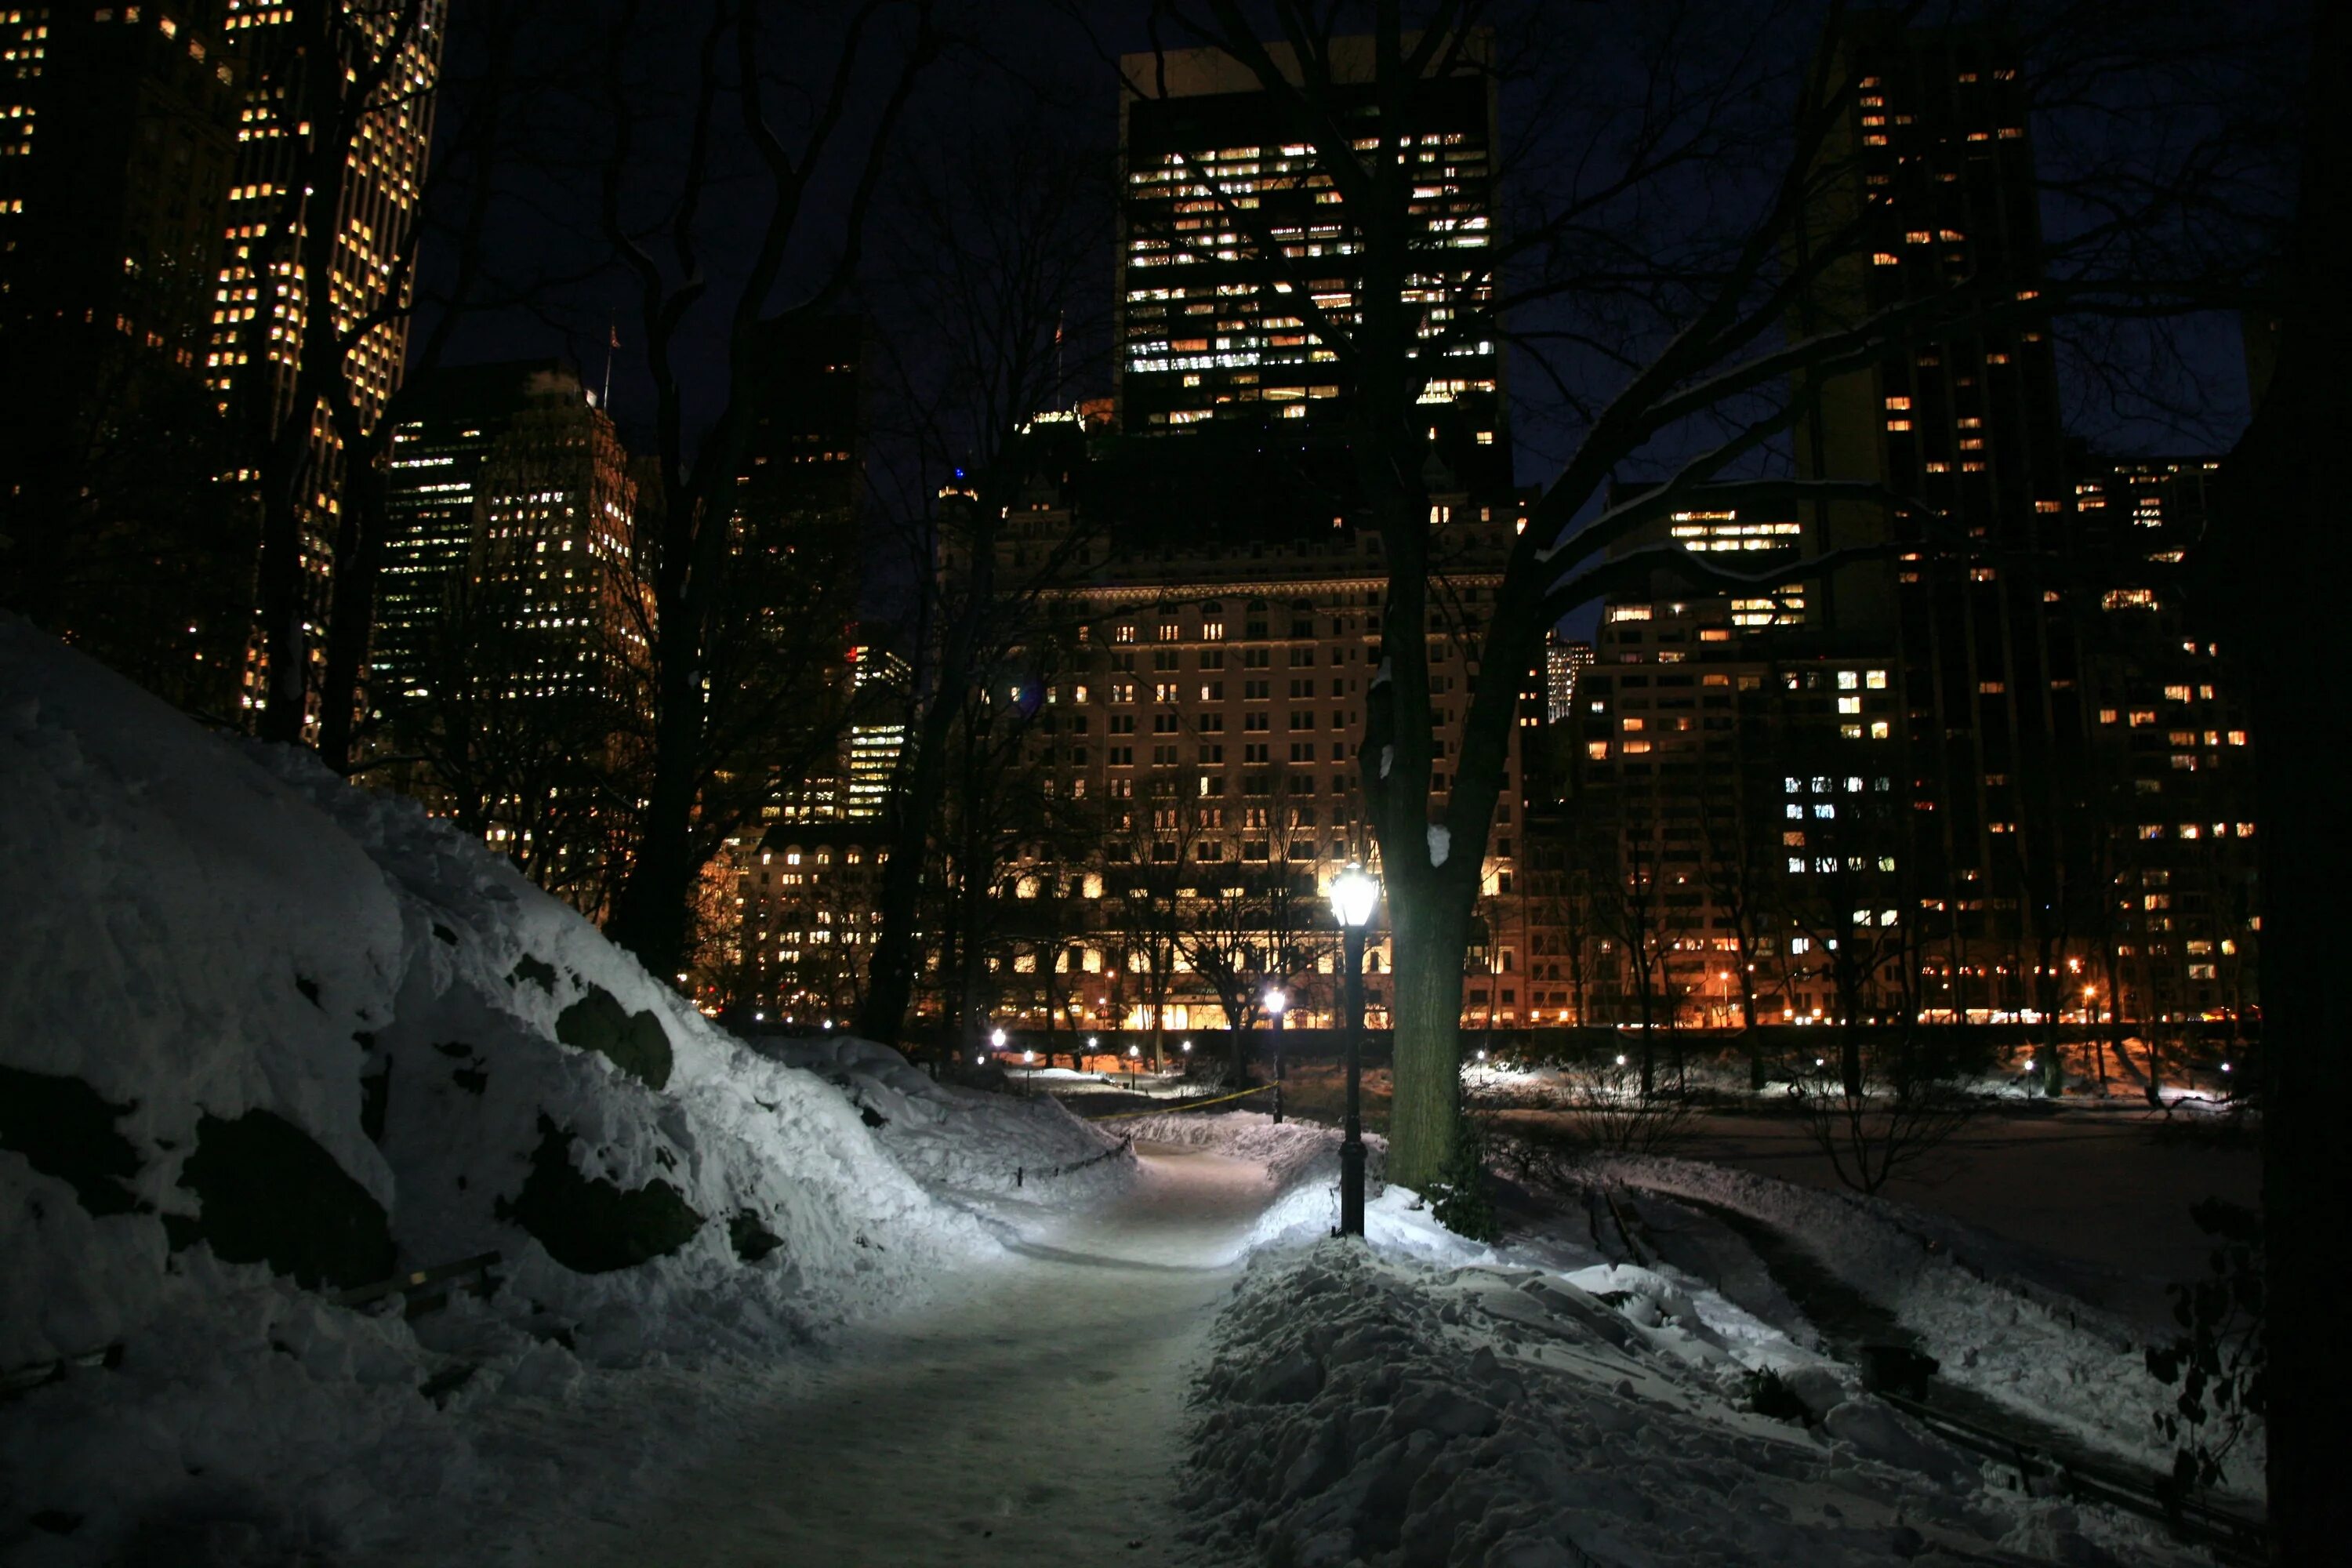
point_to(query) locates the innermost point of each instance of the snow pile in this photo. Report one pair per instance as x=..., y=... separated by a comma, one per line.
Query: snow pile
x=2046, y=1355
x=1365, y=1409
x=259, y=1024
x=958, y=1139
x=1291, y=1151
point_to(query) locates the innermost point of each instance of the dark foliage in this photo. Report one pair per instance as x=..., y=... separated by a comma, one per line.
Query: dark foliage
x=1460, y=1199
x=2219, y=1361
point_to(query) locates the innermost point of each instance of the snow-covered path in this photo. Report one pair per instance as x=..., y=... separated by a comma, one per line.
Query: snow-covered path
x=1030, y=1419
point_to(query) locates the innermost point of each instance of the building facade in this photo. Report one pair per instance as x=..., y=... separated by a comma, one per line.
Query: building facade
x=2003, y=774
x=118, y=143
x=294, y=64
x=446, y=424
x=1225, y=216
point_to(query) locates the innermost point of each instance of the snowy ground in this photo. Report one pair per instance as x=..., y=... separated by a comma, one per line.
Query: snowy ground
x=1033, y=1419
x=798, y=1303
x=1545, y=1401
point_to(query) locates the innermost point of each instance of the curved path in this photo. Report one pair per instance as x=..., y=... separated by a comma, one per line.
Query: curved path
x=1030, y=1419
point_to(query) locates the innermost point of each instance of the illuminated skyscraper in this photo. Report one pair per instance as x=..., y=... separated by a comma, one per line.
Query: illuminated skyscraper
x=1216, y=178
x=263, y=294
x=445, y=425
x=555, y=537
x=877, y=732
x=1934, y=169
x=1564, y=663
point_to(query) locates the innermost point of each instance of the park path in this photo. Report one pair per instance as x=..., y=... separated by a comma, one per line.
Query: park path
x=1030, y=1419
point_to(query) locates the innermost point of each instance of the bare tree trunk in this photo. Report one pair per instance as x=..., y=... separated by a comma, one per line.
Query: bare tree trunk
x=650, y=918
x=2285, y=565
x=350, y=619
x=1426, y=938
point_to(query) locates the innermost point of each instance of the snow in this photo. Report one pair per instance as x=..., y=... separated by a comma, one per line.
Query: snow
x=1441, y=844
x=1033, y=1419
x=196, y=928
x=1084, y=1352
x=1425, y=1398
x=2053, y=1359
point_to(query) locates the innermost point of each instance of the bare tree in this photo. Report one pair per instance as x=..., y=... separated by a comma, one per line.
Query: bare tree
x=721, y=684
x=1740, y=853
x=1625, y=870
x=995, y=324
x=1653, y=277
x=337, y=75
x=535, y=765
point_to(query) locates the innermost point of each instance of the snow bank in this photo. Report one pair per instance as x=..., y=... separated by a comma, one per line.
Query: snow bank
x=1362, y=1407
x=258, y=1023
x=2051, y=1358
x=959, y=1139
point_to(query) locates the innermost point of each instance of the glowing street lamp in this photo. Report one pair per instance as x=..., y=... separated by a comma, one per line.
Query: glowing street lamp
x=1354, y=892
x=997, y=1039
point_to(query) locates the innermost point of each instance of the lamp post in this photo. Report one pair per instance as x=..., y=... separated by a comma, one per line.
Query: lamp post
x=1275, y=1001
x=1354, y=894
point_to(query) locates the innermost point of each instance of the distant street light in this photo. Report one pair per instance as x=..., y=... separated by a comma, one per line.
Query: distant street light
x=1354, y=892
x=997, y=1039
x=1275, y=1001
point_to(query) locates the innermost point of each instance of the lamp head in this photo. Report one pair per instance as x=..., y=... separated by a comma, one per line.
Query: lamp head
x=1354, y=892
x=997, y=1039
x=1277, y=999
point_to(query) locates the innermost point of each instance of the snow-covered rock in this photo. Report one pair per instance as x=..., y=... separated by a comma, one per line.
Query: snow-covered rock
x=262, y=1030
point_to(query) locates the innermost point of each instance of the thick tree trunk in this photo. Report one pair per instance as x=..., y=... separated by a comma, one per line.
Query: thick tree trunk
x=351, y=620
x=284, y=643
x=1429, y=931
x=2286, y=562
x=650, y=917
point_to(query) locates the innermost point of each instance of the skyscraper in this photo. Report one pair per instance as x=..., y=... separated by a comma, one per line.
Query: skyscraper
x=514, y=641
x=295, y=65
x=1935, y=172
x=1565, y=661
x=445, y=425
x=1226, y=213
x=2043, y=755
x=117, y=143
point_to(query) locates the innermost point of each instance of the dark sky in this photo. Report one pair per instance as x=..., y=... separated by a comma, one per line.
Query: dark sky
x=1043, y=67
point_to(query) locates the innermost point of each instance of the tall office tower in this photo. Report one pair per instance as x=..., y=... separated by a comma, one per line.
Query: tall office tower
x=558, y=636
x=1565, y=660
x=1204, y=333
x=117, y=140
x=554, y=543
x=798, y=549
x=1934, y=168
x=444, y=424
x=877, y=728
x=291, y=93
x=2170, y=762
